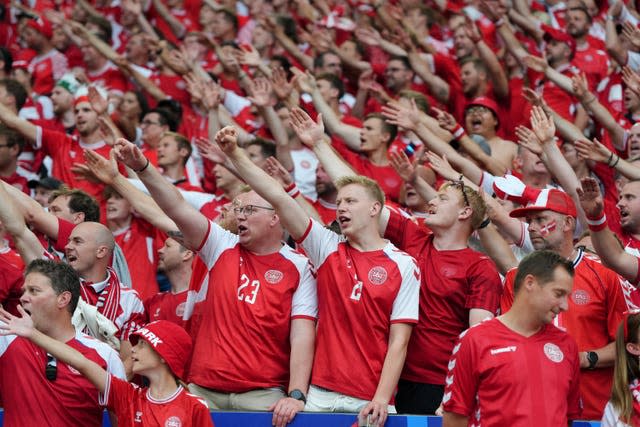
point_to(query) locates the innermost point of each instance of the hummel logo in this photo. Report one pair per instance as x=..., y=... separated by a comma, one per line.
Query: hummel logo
x=503, y=350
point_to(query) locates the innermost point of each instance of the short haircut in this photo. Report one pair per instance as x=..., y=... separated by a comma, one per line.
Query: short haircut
x=421, y=101
x=230, y=17
x=582, y=7
x=541, y=265
x=318, y=61
x=478, y=63
x=12, y=137
x=63, y=278
x=386, y=127
x=403, y=59
x=174, y=110
x=334, y=81
x=7, y=58
x=288, y=25
x=15, y=89
x=79, y=201
x=371, y=186
x=183, y=143
x=165, y=118
x=104, y=25
x=109, y=192
x=267, y=148
x=476, y=203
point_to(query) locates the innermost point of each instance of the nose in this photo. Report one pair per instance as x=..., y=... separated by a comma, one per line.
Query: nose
x=564, y=303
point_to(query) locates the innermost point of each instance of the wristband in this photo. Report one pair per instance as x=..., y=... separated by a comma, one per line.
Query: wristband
x=484, y=224
x=144, y=168
x=292, y=190
x=597, y=224
x=458, y=132
x=615, y=163
x=609, y=159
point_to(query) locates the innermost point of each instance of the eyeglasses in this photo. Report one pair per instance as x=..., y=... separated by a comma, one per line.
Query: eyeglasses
x=460, y=185
x=249, y=210
x=148, y=123
x=51, y=370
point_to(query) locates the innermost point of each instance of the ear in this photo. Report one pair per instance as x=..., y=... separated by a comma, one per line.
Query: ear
x=568, y=223
x=529, y=282
x=517, y=162
x=465, y=212
x=78, y=217
x=633, y=348
x=375, y=209
x=102, y=252
x=275, y=220
x=64, y=299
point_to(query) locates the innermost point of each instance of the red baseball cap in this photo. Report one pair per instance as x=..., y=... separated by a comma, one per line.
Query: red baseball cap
x=551, y=33
x=548, y=200
x=41, y=25
x=485, y=101
x=169, y=340
x=23, y=59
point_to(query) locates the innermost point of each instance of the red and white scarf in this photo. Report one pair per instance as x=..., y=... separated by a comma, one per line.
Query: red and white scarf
x=108, y=299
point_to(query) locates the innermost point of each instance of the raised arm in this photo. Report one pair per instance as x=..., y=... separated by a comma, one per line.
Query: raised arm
x=107, y=172
x=23, y=327
x=191, y=223
x=349, y=134
x=292, y=216
x=26, y=242
x=595, y=151
x=604, y=240
x=26, y=128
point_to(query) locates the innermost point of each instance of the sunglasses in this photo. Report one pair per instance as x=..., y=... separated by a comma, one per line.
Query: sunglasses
x=460, y=185
x=51, y=370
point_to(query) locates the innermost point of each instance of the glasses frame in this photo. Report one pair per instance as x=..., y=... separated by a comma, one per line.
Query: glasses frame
x=459, y=183
x=248, y=210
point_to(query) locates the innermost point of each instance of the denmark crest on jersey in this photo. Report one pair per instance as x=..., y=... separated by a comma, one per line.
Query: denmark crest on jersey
x=273, y=276
x=377, y=275
x=173, y=422
x=553, y=352
x=580, y=297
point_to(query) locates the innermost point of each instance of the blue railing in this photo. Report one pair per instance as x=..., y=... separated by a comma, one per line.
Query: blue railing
x=257, y=419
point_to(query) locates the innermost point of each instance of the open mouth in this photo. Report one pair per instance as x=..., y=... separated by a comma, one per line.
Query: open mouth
x=71, y=258
x=343, y=220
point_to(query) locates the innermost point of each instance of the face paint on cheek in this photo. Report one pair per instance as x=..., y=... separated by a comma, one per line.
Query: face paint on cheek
x=548, y=228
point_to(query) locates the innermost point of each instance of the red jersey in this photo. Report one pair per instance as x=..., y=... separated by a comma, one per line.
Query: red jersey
x=109, y=77
x=18, y=181
x=561, y=102
x=213, y=208
x=492, y=367
x=595, y=311
x=67, y=150
x=46, y=70
x=166, y=306
x=360, y=295
x=135, y=406
x=140, y=243
x=385, y=176
x=247, y=302
x=30, y=399
x=326, y=210
x=594, y=62
x=453, y=283
x=11, y=282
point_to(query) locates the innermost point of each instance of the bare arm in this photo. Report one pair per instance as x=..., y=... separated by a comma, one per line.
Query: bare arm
x=26, y=242
x=26, y=128
x=176, y=26
x=437, y=86
x=498, y=249
x=598, y=152
x=292, y=216
x=190, y=222
x=615, y=48
x=604, y=240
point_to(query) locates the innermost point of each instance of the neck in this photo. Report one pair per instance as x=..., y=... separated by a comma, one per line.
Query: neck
x=9, y=169
x=379, y=156
x=518, y=320
x=179, y=278
x=97, y=274
x=119, y=224
x=68, y=118
x=366, y=240
x=451, y=239
x=174, y=171
x=329, y=197
x=92, y=138
x=162, y=384
x=582, y=170
x=231, y=193
x=60, y=331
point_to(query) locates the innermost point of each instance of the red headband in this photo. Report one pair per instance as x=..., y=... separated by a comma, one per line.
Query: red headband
x=625, y=322
x=83, y=98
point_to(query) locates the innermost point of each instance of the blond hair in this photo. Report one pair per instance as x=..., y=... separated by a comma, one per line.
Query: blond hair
x=626, y=368
x=371, y=186
x=475, y=201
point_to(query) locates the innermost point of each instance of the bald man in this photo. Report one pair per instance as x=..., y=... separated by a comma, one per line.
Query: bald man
x=89, y=253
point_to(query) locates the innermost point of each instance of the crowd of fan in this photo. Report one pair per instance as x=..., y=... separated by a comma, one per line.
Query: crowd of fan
x=326, y=195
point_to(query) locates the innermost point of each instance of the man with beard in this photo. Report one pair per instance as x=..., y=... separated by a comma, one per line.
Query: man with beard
x=596, y=303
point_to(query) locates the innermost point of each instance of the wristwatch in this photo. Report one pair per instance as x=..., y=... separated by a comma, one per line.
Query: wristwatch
x=298, y=395
x=592, y=358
